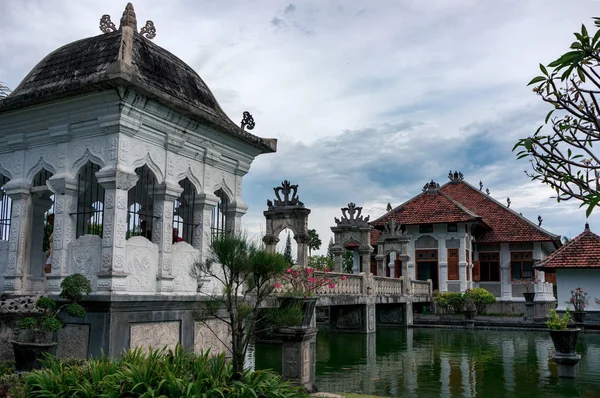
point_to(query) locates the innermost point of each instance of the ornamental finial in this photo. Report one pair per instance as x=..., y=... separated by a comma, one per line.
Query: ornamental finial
x=128, y=19
x=540, y=220
x=247, y=121
x=507, y=202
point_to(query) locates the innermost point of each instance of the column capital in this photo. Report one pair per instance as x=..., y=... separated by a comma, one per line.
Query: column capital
x=111, y=178
x=206, y=201
x=17, y=189
x=237, y=209
x=62, y=185
x=168, y=192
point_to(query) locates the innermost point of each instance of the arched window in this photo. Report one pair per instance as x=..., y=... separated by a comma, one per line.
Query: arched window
x=5, y=210
x=183, y=213
x=40, y=190
x=218, y=219
x=140, y=205
x=90, y=201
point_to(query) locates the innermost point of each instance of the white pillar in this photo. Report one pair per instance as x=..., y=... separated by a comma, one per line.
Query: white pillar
x=355, y=261
x=462, y=265
x=163, y=231
x=505, y=271
x=19, y=238
x=443, y=265
x=392, y=263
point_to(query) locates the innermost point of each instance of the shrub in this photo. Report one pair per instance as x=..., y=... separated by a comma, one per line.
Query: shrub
x=481, y=298
x=555, y=322
x=450, y=302
x=172, y=373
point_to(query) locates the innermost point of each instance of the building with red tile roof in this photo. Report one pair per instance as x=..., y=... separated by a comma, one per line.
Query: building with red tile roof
x=461, y=237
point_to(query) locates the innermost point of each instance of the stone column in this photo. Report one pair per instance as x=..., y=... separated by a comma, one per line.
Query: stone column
x=380, y=266
x=116, y=183
x=36, y=276
x=235, y=211
x=443, y=264
x=65, y=203
x=405, y=273
x=163, y=233
x=205, y=203
x=462, y=265
x=270, y=242
x=365, y=257
x=19, y=238
x=505, y=272
x=296, y=355
x=391, y=263
x=337, y=258
x=302, y=249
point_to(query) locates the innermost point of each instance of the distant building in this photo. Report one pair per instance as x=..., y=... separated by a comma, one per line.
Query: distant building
x=460, y=237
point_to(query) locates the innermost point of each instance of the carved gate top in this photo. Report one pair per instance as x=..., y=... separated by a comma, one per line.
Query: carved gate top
x=290, y=196
x=351, y=216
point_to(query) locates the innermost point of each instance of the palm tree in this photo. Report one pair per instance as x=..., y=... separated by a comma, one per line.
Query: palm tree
x=4, y=91
x=314, y=243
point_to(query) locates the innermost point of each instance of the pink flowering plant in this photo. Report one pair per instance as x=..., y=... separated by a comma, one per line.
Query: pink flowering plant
x=578, y=299
x=305, y=281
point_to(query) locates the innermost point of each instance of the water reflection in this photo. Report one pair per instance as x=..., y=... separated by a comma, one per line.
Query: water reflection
x=445, y=363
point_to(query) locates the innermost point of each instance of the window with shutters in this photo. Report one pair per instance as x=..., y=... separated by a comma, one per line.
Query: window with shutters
x=521, y=265
x=489, y=267
x=453, y=274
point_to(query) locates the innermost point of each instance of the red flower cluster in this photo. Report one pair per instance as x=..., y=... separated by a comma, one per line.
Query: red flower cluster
x=305, y=281
x=579, y=299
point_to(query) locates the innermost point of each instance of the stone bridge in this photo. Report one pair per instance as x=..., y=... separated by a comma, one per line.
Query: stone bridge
x=361, y=302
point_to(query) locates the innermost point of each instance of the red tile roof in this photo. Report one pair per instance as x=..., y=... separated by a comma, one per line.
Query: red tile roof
x=505, y=224
x=428, y=208
x=581, y=252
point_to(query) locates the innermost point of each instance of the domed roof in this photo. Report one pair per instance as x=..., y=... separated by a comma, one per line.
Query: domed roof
x=124, y=58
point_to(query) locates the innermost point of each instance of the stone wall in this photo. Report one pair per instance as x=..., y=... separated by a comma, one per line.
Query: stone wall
x=12, y=310
x=213, y=335
x=154, y=335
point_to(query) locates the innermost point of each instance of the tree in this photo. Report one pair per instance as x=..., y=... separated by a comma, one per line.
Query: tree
x=562, y=154
x=287, y=253
x=348, y=261
x=314, y=242
x=246, y=273
x=4, y=91
x=329, y=253
x=321, y=263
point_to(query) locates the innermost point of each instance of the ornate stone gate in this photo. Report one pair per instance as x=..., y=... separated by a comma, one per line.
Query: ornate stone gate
x=287, y=211
x=352, y=232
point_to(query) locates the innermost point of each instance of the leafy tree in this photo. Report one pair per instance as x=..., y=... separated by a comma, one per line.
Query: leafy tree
x=321, y=263
x=4, y=91
x=329, y=253
x=314, y=242
x=246, y=273
x=562, y=154
x=348, y=261
x=287, y=253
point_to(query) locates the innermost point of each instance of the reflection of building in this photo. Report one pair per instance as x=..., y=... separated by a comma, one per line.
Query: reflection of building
x=459, y=237
x=577, y=264
x=130, y=143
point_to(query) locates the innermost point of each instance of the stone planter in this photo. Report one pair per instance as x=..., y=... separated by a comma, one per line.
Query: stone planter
x=309, y=304
x=27, y=355
x=470, y=314
x=579, y=316
x=564, y=340
x=529, y=297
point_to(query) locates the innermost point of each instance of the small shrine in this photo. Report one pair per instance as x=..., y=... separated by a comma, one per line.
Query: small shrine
x=352, y=232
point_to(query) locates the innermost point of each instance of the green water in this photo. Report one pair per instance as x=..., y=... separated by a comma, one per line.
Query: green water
x=446, y=363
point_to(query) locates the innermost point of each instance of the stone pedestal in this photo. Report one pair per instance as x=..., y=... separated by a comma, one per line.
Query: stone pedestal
x=298, y=356
x=567, y=364
x=529, y=311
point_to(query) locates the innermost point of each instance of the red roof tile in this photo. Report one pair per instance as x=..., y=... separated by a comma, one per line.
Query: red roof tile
x=581, y=252
x=505, y=224
x=428, y=208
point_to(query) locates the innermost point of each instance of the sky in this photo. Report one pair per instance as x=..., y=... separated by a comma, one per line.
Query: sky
x=369, y=100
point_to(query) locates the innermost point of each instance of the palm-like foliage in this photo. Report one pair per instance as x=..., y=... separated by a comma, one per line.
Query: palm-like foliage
x=314, y=242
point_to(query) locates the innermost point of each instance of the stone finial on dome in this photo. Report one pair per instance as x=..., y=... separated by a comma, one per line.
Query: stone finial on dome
x=128, y=19
x=587, y=227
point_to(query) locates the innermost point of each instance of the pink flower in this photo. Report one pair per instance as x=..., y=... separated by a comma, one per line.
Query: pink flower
x=344, y=277
x=277, y=285
x=331, y=285
x=326, y=269
x=289, y=270
x=311, y=279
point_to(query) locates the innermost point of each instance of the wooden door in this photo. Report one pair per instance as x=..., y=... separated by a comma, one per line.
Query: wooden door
x=453, y=274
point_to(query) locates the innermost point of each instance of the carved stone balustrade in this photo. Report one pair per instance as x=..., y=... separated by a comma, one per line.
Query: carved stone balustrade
x=389, y=286
x=421, y=288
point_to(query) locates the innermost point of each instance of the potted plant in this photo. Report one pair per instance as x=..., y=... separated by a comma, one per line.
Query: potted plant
x=470, y=307
x=37, y=335
x=579, y=302
x=299, y=284
x=564, y=339
x=528, y=285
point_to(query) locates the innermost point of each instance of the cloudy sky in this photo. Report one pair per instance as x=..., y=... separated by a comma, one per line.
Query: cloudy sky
x=369, y=99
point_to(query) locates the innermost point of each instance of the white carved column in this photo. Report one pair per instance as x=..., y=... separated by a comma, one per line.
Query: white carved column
x=302, y=249
x=443, y=256
x=505, y=271
x=404, y=258
x=205, y=203
x=163, y=231
x=392, y=263
x=36, y=275
x=19, y=238
x=462, y=265
x=65, y=202
x=235, y=211
x=116, y=184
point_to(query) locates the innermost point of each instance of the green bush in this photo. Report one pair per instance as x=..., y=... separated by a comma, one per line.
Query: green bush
x=556, y=322
x=481, y=298
x=158, y=373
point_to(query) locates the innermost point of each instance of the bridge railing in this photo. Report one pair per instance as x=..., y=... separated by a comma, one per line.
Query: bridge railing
x=351, y=284
x=388, y=286
x=421, y=288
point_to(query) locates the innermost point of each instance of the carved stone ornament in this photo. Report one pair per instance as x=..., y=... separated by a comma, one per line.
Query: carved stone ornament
x=247, y=121
x=290, y=196
x=148, y=30
x=106, y=25
x=351, y=216
x=431, y=187
x=457, y=176
x=392, y=228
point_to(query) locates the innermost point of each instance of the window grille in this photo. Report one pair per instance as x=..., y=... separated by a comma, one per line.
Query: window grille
x=218, y=219
x=5, y=210
x=39, y=180
x=140, y=205
x=183, y=213
x=90, y=202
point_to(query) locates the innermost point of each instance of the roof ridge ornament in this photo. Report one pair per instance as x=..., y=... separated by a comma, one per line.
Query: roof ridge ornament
x=351, y=216
x=148, y=30
x=540, y=220
x=106, y=25
x=457, y=176
x=128, y=20
x=587, y=227
x=431, y=187
x=247, y=121
x=286, y=189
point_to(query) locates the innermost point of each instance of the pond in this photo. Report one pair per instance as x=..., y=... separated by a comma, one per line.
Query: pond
x=423, y=362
